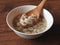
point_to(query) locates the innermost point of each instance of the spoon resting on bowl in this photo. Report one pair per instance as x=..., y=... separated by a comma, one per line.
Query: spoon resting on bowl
x=32, y=16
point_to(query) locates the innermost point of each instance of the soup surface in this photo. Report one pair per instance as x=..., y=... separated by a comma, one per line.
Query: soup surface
x=35, y=28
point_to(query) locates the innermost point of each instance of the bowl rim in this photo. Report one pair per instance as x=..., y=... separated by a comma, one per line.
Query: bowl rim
x=16, y=31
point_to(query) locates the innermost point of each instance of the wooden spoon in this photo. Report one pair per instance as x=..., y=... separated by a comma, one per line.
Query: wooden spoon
x=37, y=11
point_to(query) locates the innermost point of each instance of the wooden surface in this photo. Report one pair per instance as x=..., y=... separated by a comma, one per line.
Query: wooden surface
x=8, y=37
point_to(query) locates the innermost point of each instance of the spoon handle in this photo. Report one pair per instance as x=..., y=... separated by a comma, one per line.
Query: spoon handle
x=40, y=6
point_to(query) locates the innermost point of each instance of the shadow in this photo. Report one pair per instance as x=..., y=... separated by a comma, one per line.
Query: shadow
x=52, y=35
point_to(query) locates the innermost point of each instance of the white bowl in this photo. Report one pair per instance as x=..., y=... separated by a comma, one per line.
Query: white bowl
x=22, y=9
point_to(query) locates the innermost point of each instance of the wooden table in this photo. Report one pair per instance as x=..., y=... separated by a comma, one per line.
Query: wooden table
x=8, y=37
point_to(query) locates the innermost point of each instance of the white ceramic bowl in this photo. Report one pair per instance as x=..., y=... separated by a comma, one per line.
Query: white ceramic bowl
x=22, y=9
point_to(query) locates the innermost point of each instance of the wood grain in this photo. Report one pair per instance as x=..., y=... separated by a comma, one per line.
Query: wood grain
x=8, y=37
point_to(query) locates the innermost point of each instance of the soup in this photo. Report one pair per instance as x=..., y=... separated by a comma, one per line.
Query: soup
x=36, y=28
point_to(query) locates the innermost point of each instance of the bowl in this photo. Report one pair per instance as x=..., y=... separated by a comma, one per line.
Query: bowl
x=25, y=8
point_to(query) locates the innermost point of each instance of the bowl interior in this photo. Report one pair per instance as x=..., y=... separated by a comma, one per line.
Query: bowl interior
x=23, y=9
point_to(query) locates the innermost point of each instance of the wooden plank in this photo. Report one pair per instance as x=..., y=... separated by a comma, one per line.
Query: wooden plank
x=11, y=38
x=53, y=33
x=31, y=42
x=52, y=6
x=8, y=37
